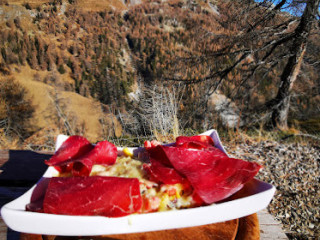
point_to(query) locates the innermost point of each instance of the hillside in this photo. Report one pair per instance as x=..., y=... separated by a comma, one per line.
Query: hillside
x=57, y=107
x=106, y=52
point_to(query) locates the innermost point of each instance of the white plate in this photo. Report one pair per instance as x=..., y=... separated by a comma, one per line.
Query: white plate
x=257, y=195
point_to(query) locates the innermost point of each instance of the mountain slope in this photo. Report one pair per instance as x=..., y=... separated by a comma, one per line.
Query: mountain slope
x=108, y=50
x=56, y=108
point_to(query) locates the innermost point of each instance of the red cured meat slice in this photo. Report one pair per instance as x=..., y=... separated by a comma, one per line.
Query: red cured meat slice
x=158, y=154
x=151, y=144
x=64, y=168
x=36, y=201
x=201, y=142
x=82, y=166
x=104, y=153
x=80, y=162
x=160, y=173
x=104, y=196
x=73, y=147
x=213, y=176
x=198, y=142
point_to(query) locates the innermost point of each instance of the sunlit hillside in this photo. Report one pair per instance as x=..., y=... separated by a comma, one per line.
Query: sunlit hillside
x=107, y=52
x=54, y=107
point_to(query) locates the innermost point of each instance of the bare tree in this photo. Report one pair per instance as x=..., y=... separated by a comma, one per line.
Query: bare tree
x=160, y=111
x=257, y=44
x=156, y=112
x=281, y=102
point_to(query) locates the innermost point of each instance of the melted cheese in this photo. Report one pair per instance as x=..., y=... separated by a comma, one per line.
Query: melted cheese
x=124, y=167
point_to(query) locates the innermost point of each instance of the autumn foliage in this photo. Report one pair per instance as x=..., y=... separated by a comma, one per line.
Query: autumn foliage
x=108, y=53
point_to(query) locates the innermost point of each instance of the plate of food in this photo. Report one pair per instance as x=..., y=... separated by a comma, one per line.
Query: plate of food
x=99, y=189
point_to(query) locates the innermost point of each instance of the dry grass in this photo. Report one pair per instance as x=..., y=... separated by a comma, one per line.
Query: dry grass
x=80, y=111
x=11, y=12
x=94, y=5
x=86, y=5
x=8, y=143
x=32, y=3
x=260, y=134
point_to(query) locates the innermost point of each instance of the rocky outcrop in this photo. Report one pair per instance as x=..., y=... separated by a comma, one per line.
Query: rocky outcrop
x=228, y=112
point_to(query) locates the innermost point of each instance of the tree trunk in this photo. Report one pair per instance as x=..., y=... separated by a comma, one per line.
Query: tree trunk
x=281, y=103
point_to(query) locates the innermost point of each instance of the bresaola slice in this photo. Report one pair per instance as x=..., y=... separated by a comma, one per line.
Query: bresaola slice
x=82, y=166
x=197, y=142
x=213, y=175
x=161, y=173
x=77, y=155
x=37, y=196
x=74, y=147
x=90, y=196
x=104, y=153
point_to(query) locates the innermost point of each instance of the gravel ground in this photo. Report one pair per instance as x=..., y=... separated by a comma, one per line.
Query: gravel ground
x=294, y=169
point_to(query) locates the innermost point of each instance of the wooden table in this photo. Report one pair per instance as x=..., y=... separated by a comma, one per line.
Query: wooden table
x=20, y=170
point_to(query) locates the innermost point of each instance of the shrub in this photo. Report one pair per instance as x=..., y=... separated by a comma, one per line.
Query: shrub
x=15, y=109
x=61, y=69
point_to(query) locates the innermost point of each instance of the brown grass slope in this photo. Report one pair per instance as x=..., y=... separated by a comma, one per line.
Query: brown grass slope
x=82, y=114
x=98, y=52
